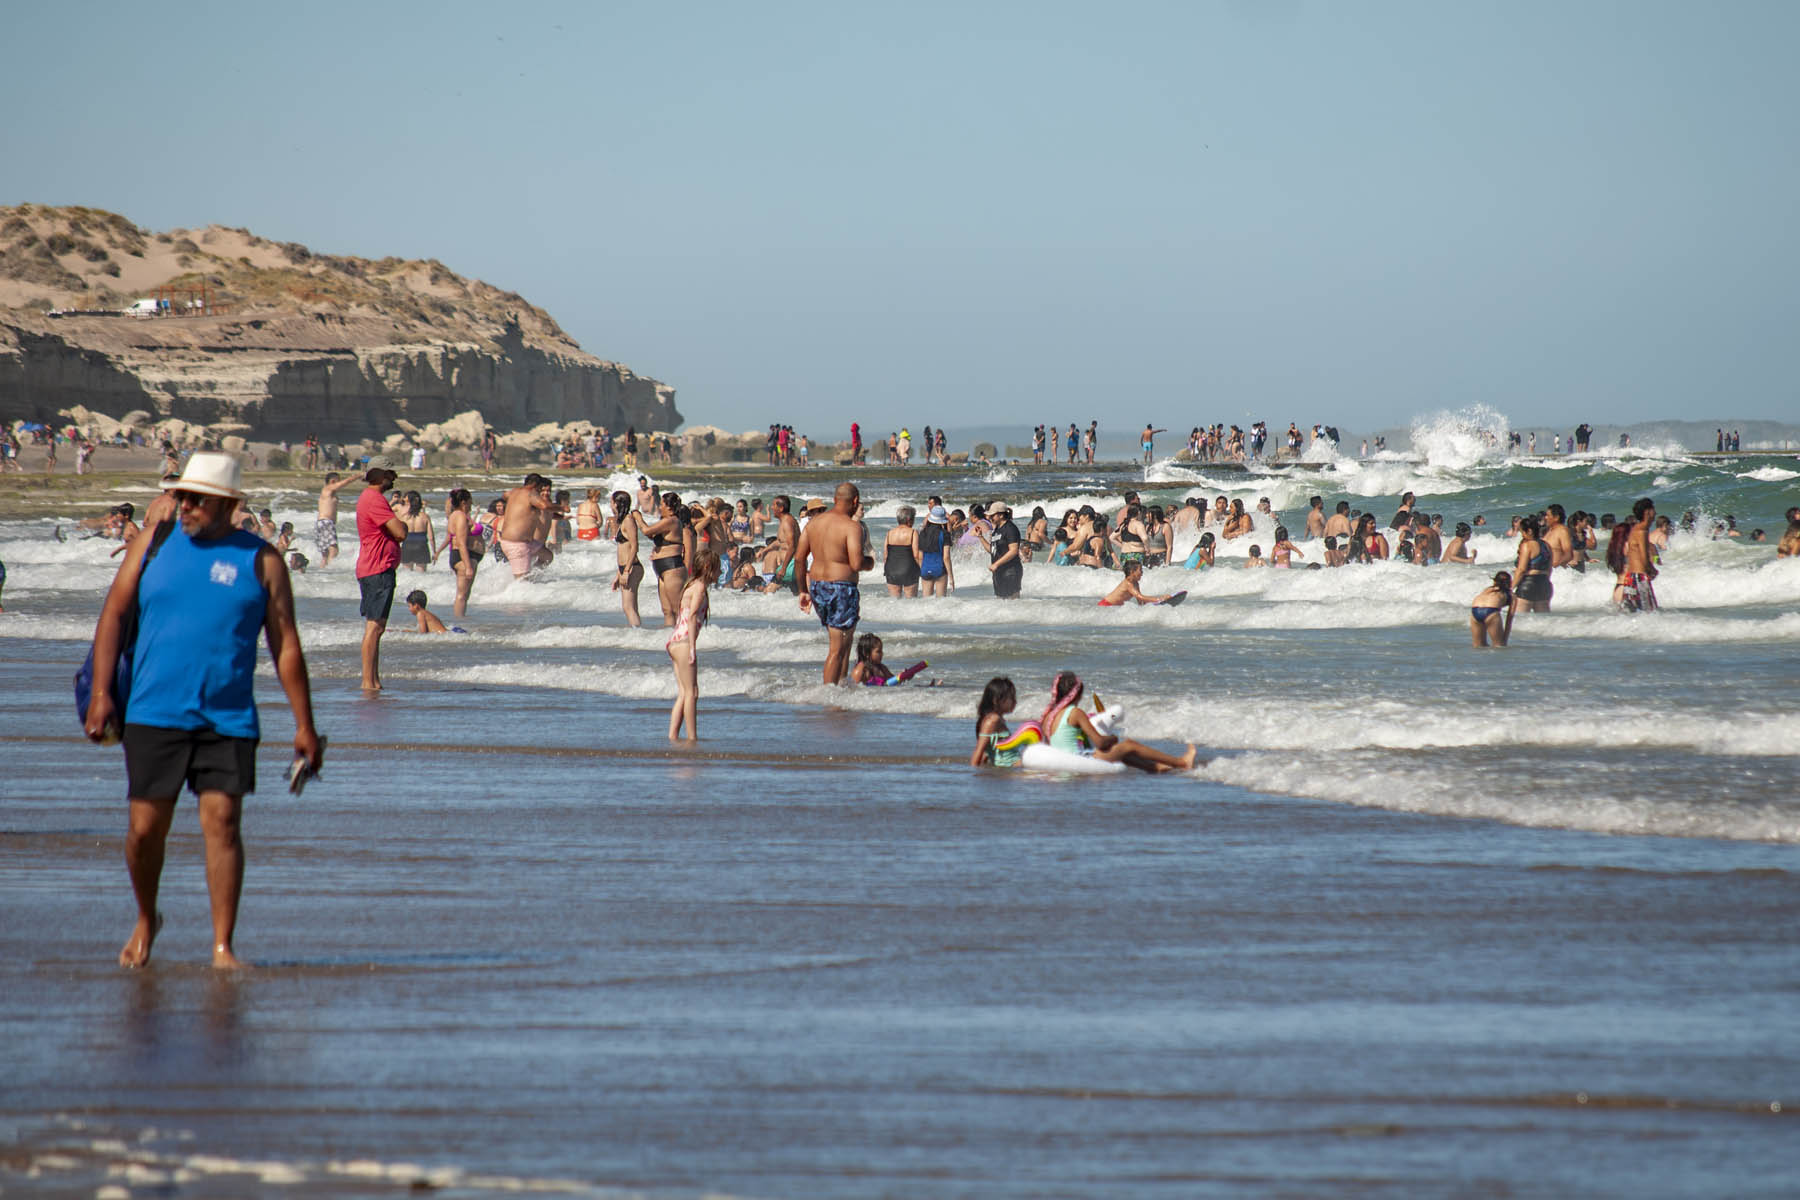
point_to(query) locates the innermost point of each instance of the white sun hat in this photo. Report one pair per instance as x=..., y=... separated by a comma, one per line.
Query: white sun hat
x=209, y=474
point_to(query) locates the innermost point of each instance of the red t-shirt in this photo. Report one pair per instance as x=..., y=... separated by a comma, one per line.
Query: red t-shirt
x=379, y=550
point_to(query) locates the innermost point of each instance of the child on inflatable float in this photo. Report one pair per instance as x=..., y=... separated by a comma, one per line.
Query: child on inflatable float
x=1076, y=743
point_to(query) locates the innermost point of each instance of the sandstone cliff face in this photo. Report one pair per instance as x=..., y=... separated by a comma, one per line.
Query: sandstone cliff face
x=295, y=343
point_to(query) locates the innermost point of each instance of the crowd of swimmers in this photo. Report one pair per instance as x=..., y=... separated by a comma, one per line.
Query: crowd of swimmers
x=741, y=545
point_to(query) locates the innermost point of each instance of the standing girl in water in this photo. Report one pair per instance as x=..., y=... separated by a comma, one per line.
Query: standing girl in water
x=628, y=524
x=684, y=646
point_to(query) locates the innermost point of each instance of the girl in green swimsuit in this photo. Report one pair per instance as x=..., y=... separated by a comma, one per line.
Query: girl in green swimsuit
x=997, y=700
x=1066, y=727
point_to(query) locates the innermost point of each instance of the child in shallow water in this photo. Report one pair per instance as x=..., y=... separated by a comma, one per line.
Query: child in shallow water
x=683, y=645
x=872, y=672
x=428, y=620
x=1283, y=552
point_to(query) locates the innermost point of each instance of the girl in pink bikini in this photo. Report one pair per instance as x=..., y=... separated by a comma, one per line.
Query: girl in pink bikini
x=684, y=645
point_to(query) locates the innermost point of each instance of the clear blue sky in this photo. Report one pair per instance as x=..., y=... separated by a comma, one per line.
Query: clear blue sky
x=1004, y=212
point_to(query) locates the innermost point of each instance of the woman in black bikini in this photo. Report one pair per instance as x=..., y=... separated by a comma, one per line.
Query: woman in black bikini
x=1532, y=591
x=628, y=525
x=671, y=550
x=1094, y=552
x=465, y=547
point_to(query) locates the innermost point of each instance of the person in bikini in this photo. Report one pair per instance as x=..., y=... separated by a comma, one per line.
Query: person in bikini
x=465, y=546
x=1489, y=621
x=627, y=527
x=671, y=552
x=1128, y=589
x=587, y=517
x=683, y=646
x=1283, y=552
x=1066, y=727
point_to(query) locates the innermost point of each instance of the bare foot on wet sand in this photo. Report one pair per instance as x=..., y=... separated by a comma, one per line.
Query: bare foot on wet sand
x=137, y=948
x=225, y=960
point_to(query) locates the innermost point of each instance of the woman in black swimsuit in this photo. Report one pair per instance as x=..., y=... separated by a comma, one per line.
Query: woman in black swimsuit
x=1531, y=573
x=1130, y=535
x=902, y=568
x=671, y=550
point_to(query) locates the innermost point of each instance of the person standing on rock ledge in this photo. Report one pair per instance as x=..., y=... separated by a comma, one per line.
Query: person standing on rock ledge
x=325, y=527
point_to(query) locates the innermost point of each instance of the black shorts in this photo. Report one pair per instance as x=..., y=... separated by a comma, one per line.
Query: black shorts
x=158, y=761
x=1534, y=589
x=377, y=596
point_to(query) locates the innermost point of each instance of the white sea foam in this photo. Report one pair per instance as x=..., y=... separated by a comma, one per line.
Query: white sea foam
x=1424, y=787
x=1770, y=475
x=1464, y=438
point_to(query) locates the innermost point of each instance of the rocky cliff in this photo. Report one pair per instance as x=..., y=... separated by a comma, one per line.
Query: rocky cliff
x=271, y=340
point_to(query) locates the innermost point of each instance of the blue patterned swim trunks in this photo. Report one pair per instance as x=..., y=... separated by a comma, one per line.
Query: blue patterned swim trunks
x=838, y=603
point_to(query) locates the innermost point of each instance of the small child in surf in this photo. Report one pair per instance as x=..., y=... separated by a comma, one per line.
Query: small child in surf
x=428, y=620
x=870, y=671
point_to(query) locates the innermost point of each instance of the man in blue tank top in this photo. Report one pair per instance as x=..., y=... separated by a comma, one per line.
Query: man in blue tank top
x=204, y=597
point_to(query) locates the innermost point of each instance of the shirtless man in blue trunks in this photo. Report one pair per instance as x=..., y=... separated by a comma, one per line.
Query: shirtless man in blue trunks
x=827, y=561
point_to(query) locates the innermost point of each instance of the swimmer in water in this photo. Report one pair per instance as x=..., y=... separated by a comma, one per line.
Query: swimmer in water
x=1459, y=550
x=1127, y=589
x=1283, y=552
x=428, y=620
x=1255, y=559
x=869, y=669
x=998, y=699
x=1490, y=613
x=1067, y=728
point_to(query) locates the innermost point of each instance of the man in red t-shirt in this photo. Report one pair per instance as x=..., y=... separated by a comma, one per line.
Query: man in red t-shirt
x=378, y=533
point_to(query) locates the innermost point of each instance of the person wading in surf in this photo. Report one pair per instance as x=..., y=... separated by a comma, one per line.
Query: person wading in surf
x=827, y=560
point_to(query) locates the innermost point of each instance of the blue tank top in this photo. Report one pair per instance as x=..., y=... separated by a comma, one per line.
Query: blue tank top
x=201, y=611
